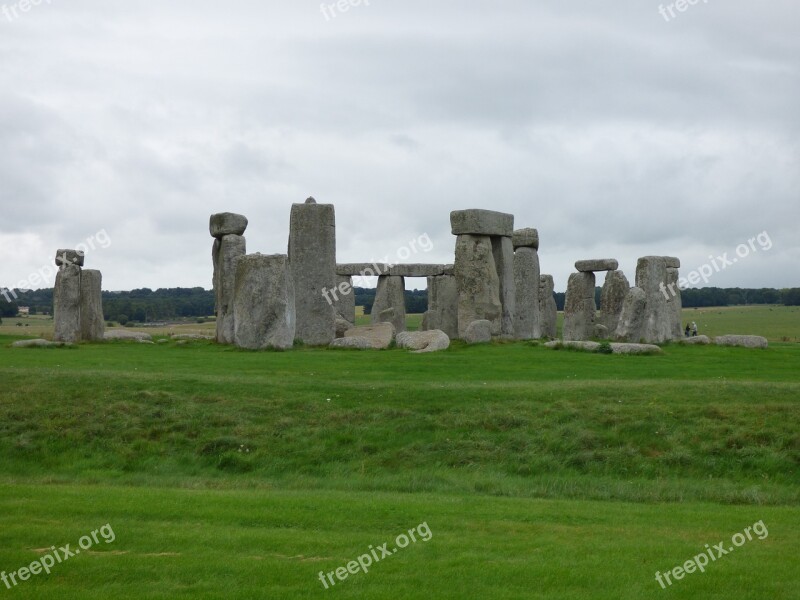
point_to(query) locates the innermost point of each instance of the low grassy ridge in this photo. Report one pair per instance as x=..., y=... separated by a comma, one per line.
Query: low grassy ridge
x=540, y=473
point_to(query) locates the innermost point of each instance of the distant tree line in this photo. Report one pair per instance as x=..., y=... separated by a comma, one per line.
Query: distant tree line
x=145, y=305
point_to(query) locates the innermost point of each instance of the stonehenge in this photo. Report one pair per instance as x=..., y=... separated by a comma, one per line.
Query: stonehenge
x=77, y=300
x=494, y=287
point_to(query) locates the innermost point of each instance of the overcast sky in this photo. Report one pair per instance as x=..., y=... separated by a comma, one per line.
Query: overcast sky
x=615, y=130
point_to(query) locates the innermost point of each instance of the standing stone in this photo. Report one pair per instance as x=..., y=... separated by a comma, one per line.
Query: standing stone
x=442, y=310
x=548, y=311
x=312, y=255
x=391, y=294
x=579, y=307
x=224, y=254
x=478, y=283
x=67, y=304
x=526, y=283
x=631, y=320
x=674, y=301
x=93, y=324
x=612, y=297
x=345, y=302
x=263, y=306
x=503, y=251
x=651, y=277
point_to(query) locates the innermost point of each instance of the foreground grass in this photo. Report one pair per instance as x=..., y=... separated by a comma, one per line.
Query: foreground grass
x=710, y=424
x=173, y=543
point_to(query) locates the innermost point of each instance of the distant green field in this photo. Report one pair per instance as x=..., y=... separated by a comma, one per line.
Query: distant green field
x=540, y=473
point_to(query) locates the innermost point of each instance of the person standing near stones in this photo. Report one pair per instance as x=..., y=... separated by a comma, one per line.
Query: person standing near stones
x=694, y=329
x=687, y=331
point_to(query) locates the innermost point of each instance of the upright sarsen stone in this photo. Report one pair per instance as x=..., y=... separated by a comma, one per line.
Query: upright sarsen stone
x=312, y=256
x=478, y=283
x=67, y=304
x=345, y=302
x=390, y=294
x=526, y=284
x=612, y=297
x=503, y=251
x=224, y=254
x=548, y=311
x=263, y=306
x=442, y=310
x=93, y=324
x=674, y=300
x=651, y=275
x=630, y=327
x=579, y=307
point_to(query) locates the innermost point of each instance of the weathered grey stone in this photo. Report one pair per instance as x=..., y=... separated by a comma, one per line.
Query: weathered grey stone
x=525, y=238
x=631, y=319
x=385, y=316
x=672, y=262
x=93, y=325
x=312, y=255
x=226, y=223
x=478, y=332
x=548, y=311
x=126, y=334
x=578, y=345
x=345, y=299
x=263, y=304
x=69, y=257
x=423, y=341
x=697, y=340
x=623, y=348
x=355, y=343
x=599, y=264
x=651, y=276
x=342, y=325
x=503, y=252
x=612, y=298
x=189, y=336
x=442, y=310
x=745, y=341
x=449, y=270
x=476, y=221
x=416, y=270
x=67, y=304
x=38, y=344
x=478, y=283
x=674, y=302
x=380, y=335
x=600, y=332
x=390, y=294
x=374, y=269
x=579, y=307
x=526, y=286
x=310, y=200
x=224, y=254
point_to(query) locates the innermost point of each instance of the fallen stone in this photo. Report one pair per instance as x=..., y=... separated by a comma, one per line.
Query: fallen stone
x=744, y=341
x=579, y=345
x=38, y=344
x=476, y=221
x=380, y=335
x=525, y=238
x=624, y=348
x=126, y=334
x=478, y=332
x=423, y=341
x=600, y=264
x=65, y=258
x=356, y=343
x=264, y=302
x=190, y=336
x=226, y=223
x=697, y=340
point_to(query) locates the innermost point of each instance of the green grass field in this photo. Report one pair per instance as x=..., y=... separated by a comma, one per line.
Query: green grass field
x=539, y=473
